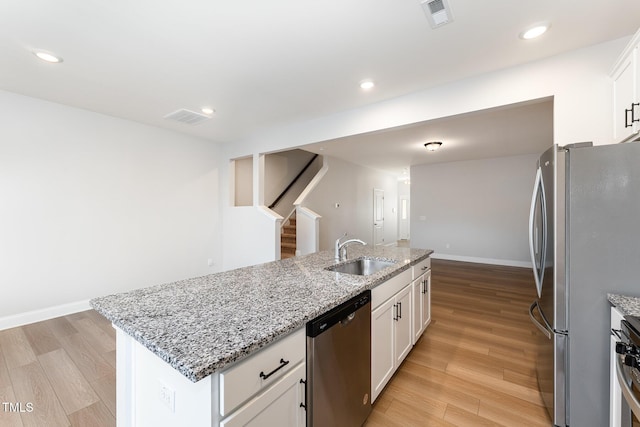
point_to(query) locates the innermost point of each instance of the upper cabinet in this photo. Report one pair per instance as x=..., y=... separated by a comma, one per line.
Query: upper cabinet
x=626, y=92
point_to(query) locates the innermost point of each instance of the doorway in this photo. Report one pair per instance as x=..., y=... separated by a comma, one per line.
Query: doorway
x=378, y=216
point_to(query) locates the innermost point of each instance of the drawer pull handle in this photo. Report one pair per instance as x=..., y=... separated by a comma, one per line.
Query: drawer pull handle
x=424, y=268
x=283, y=363
x=628, y=124
x=304, y=405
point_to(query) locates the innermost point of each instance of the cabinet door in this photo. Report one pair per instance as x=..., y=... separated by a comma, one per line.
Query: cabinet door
x=418, y=308
x=623, y=96
x=404, y=318
x=382, y=341
x=279, y=405
x=426, y=300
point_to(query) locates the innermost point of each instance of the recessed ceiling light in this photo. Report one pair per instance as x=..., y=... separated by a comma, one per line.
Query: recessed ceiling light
x=367, y=84
x=432, y=146
x=535, y=31
x=208, y=110
x=47, y=56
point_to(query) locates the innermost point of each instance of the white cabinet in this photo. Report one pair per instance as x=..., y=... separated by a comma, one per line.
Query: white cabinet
x=382, y=346
x=278, y=405
x=266, y=389
x=615, y=395
x=421, y=304
x=260, y=390
x=403, y=339
x=626, y=92
x=391, y=337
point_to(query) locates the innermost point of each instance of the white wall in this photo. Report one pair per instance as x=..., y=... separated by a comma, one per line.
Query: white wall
x=91, y=205
x=243, y=181
x=351, y=186
x=280, y=169
x=474, y=211
x=251, y=236
x=578, y=81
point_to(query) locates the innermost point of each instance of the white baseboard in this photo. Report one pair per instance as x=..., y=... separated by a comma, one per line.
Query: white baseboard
x=505, y=262
x=21, y=319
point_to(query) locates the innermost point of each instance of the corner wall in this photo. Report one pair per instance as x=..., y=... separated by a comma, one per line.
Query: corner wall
x=92, y=205
x=474, y=211
x=351, y=186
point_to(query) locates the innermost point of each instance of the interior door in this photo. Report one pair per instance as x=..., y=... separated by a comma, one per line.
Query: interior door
x=403, y=226
x=378, y=216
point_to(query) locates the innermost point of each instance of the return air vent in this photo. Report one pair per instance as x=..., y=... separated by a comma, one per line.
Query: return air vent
x=187, y=116
x=438, y=12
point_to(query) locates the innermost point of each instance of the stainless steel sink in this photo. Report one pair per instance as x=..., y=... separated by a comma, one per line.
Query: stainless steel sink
x=361, y=266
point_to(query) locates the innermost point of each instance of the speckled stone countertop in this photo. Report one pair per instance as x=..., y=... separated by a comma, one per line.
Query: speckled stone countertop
x=200, y=325
x=629, y=306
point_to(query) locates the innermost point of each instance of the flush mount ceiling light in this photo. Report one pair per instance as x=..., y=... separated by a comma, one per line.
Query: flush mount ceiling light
x=534, y=31
x=367, y=84
x=208, y=110
x=432, y=146
x=47, y=56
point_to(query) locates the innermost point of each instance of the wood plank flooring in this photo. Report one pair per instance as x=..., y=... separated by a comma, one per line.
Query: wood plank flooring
x=473, y=367
x=62, y=369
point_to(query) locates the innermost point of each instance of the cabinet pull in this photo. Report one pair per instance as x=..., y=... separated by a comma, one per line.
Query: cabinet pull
x=424, y=268
x=399, y=310
x=395, y=312
x=283, y=363
x=628, y=124
x=304, y=405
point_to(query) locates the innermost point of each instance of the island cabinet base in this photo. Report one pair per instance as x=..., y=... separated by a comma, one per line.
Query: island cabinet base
x=152, y=393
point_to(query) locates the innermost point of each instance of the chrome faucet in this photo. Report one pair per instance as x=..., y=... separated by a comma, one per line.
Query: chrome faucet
x=341, y=248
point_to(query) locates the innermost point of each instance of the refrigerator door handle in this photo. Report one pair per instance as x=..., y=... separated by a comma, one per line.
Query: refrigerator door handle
x=538, y=188
x=539, y=325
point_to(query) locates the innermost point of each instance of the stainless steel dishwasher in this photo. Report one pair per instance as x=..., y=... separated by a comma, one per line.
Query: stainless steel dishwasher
x=339, y=365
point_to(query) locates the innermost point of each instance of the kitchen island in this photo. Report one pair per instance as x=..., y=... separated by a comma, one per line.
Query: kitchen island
x=204, y=327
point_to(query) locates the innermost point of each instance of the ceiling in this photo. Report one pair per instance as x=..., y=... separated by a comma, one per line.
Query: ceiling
x=511, y=130
x=264, y=64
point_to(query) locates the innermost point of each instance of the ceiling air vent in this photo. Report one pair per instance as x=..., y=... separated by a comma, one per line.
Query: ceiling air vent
x=438, y=12
x=187, y=116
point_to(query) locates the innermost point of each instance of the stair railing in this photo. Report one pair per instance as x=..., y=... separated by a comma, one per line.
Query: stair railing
x=304, y=169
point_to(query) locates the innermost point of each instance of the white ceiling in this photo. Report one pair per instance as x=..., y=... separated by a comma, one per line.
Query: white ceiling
x=524, y=128
x=262, y=64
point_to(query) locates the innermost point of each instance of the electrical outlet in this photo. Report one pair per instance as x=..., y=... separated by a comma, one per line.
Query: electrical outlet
x=167, y=396
x=210, y=262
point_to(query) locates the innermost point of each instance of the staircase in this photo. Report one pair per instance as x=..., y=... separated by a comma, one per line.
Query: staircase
x=288, y=239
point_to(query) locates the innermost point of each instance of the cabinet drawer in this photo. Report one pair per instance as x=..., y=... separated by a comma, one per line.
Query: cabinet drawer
x=386, y=290
x=243, y=380
x=421, y=267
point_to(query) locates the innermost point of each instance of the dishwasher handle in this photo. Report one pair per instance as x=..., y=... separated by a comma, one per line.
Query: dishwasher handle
x=342, y=314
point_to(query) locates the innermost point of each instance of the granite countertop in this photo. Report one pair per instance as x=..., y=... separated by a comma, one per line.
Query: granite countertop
x=629, y=306
x=200, y=325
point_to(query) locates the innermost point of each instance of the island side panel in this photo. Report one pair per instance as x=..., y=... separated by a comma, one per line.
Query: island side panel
x=151, y=393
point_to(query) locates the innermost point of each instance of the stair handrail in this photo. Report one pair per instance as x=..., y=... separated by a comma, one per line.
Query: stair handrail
x=275, y=202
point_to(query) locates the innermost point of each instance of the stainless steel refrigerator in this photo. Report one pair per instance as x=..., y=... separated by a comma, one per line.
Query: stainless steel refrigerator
x=585, y=243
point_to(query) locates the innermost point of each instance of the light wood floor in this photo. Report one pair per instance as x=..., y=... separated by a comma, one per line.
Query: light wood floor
x=64, y=368
x=473, y=367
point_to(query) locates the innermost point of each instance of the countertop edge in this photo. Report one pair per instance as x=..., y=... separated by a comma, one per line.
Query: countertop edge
x=246, y=351
x=628, y=305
